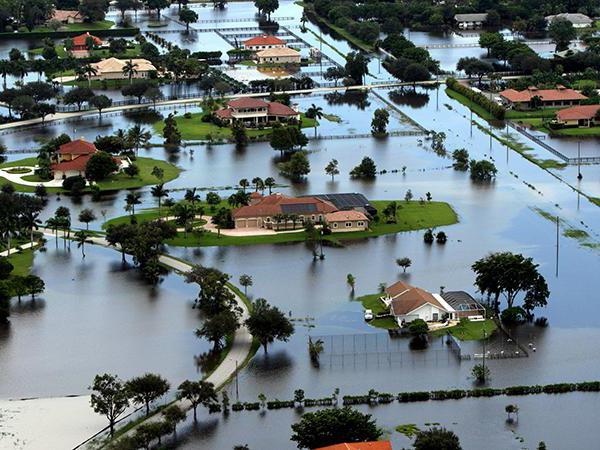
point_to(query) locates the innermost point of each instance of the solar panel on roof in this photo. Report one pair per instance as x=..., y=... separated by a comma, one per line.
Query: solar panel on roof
x=299, y=208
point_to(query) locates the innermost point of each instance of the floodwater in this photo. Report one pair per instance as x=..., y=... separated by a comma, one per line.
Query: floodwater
x=97, y=317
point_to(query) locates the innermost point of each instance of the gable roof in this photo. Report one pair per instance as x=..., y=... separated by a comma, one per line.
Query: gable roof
x=407, y=298
x=548, y=95
x=78, y=163
x=247, y=102
x=277, y=51
x=578, y=112
x=116, y=65
x=574, y=18
x=279, y=109
x=77, y=147
x=80, y=40
x=63, y=15
x=343, y=216
x=374, y=445
x=264, y=39
x=473, y=17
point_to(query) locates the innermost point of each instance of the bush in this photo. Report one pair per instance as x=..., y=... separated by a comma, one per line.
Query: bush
x=493, y=108
x=513, y=315
x=541, y=322
x=406, y=397
x=187, y=115
x=74, y=184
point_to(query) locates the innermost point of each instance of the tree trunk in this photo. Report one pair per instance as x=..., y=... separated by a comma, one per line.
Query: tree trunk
x=195, y=416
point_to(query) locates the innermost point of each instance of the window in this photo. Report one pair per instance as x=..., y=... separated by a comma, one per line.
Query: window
x=348, y=224
x=313, y=218
x=268, y=220
x=334, y=224
x=361, y=224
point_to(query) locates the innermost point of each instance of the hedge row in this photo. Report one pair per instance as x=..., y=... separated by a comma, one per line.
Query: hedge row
x=492, y=107
x=375, y=398
x=110, y=32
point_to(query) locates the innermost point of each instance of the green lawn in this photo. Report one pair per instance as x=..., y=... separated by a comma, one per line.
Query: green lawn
x=479, y=110
x=91, y=26
x=541, y=113
x=114, y=182
x=133, y=52
x=467, y=330
x=411, y=216
x=193, y=129
x=22, y=262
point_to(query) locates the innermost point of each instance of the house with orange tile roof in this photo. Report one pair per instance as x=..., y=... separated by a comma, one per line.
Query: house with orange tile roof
x=579, y=116
x=407, y=303
x=345, y=221
x=373, y=445
x=112, y=69
x=280, y=212
x=278, y=55
x=71, y=159
x=80, y=42
x=533, y=98
x=254, y=111
x=263, y=42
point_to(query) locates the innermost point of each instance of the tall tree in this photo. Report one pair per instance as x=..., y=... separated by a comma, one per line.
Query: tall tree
x=436, y=439
x=109, y=397
x=267, y=323
x=147, y=388
x=197, y=393
x=188, y=16
x=509, y=274
x=332, y=168
x=334, y=426
x=159, y=192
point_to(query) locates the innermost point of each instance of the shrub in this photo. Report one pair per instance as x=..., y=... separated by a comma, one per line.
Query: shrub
x=541, y=322
x=513, y=315
x=74, y=184
x=187, y=115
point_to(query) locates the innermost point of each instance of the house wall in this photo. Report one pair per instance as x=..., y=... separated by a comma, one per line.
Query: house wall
x=279, y=59
x=120, y=75
x=60, y=175
x=262, y=47
x=350, y=225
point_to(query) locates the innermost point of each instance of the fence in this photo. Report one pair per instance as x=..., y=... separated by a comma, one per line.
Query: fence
x=455, y=347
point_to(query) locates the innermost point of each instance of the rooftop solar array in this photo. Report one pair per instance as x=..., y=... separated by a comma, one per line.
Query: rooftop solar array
x=299, y=208
x=346, y=201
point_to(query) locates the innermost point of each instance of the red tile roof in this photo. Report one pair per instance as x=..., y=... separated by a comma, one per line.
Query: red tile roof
x=256, y=195
x=376, y=445
x=279, y=109
x=578, y=112
x=272, y=205
x=80, y=40
x=223, y=113
x=63, y=15
x=547, y=95
x=247, y=102
x=264, y=39
x=77, y=147
x=78, y=163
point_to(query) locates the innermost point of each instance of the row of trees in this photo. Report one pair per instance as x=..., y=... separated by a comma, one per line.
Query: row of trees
x=111, y=397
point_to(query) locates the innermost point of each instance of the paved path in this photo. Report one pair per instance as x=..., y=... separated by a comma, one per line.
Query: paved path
x=240, y=348
x=13, y=250
x=18, y=177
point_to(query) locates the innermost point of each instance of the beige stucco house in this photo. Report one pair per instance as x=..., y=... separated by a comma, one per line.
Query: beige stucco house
x=345, y=221
x=112, y=69
x=278, y=55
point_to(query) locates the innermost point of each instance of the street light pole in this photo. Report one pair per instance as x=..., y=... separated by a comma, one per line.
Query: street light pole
x=484, y=339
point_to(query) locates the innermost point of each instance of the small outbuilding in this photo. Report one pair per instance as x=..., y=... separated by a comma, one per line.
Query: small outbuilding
x=278, y=55
x=470, y=21
x=578, y=20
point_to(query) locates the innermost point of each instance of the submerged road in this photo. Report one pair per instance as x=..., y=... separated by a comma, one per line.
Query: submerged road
x=240, y=347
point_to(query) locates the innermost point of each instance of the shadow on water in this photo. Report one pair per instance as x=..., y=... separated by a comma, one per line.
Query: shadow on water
x=352, y=98
x=270, y=363
x=409, y=98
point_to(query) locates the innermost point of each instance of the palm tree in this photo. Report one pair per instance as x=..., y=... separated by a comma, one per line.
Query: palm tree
x=244, y=184
x=138, y=136
x=159, y=192
x=191, y=196
x=314, y=112
x=5, y=70
x=129, y=69
x=258, y=183
x=184, y=213
x=89, y=71
x=351, y=281
x=270, y=183
x=53, y=224
x=132, y=199
x=80, y=237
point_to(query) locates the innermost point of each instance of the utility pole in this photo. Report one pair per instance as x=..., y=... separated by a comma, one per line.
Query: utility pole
x=579, y=176
x=557, y=241
x=471, y=121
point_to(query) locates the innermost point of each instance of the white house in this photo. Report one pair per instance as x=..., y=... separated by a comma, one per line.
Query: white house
x=407, y=303
x=470, y=21
x=577, y=19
